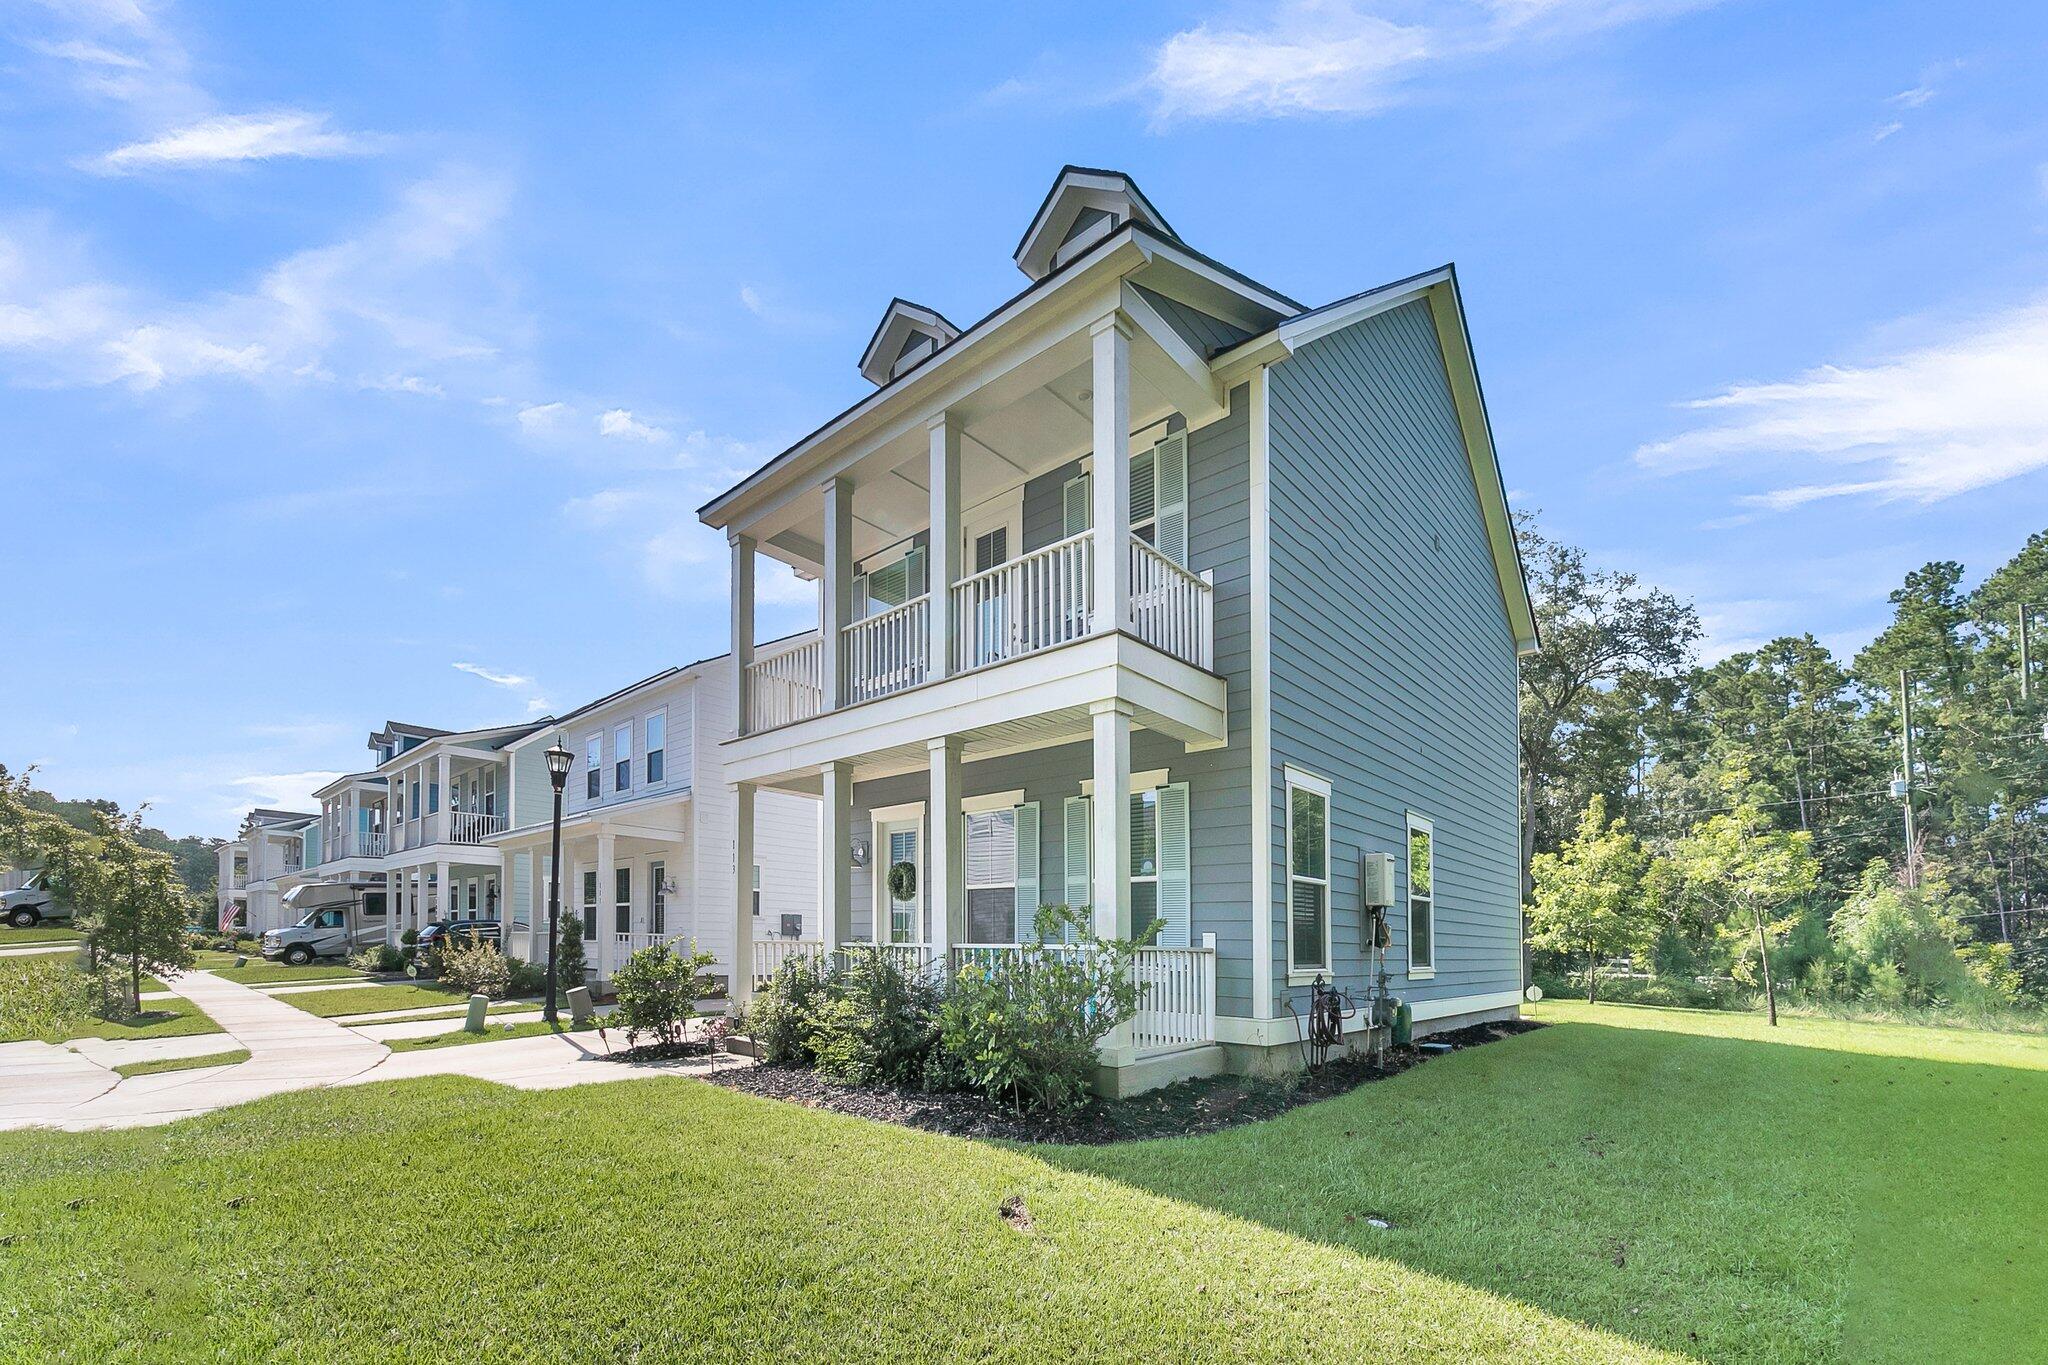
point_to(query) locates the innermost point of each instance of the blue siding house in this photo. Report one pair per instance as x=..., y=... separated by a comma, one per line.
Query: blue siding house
x=1157, y=593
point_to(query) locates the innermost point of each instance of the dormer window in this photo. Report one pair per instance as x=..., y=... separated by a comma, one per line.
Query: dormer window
x=909, y=335
x=1082, y=208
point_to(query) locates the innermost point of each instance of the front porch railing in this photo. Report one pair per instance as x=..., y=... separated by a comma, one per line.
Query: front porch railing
x=1177, y=990
x=1173, y=609
x=356, y=844
x=888, y=651
x=1029, y=603
x=785, y=687
x=771, y=953
x=474, y=826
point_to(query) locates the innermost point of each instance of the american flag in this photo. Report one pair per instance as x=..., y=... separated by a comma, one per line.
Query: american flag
x=227, y=917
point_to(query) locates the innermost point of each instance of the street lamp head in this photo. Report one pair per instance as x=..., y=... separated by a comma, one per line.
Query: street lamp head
x=559, y=760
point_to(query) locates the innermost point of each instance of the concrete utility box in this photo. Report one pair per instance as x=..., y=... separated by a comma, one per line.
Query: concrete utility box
x=579, y=1005
x=479, y=1006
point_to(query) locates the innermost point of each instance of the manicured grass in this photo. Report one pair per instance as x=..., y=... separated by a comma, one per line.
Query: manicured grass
x=402, y=995
x=228, y=1058
x=173, y=1018
x=40, y=934
x=453, y=1012
x=259, y=972
x=1630, y=1184
x=436, y=1042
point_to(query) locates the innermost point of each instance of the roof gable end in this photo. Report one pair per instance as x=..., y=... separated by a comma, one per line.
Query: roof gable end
x=1083, y=206
x=908, y=335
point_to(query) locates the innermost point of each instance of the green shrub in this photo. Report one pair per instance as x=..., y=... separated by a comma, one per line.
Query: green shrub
x=476, y=969
x=41, y=996
x=569, y=962
x=1024, y=1027
x=657, y=990
x=381, y=957
x=778, y=1017
x=875, y=1022
x=528, y=978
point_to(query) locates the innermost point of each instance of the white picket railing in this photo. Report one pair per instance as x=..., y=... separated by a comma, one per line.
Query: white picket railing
x=888, y=651
x=1172, y=608
x=356, y=844
x=771, y=953
x=1029, y=603
x=473, y=826
x=1177, y=1000
x=785, y=687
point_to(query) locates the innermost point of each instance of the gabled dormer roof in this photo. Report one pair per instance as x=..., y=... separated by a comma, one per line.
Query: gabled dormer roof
x=1083, y=206
x=908, y=335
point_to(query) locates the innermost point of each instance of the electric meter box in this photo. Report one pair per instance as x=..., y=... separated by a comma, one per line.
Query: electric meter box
x=1376, y=880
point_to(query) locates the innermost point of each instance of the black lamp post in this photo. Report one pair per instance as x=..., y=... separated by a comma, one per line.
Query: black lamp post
x=559, y=758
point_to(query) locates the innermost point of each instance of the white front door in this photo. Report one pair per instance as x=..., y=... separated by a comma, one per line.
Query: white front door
x=898, y=919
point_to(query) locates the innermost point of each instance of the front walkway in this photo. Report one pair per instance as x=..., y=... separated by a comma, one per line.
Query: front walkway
x=289, y=1049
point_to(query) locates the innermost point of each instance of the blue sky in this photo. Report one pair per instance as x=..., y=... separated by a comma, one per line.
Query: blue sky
x=369, y=361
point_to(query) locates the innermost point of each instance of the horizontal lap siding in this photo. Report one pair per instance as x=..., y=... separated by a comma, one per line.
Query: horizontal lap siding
x=1394, y=667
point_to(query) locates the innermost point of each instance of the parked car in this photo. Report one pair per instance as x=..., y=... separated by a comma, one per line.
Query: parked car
x=450, y=933
x=31, y=903
x=340, y=918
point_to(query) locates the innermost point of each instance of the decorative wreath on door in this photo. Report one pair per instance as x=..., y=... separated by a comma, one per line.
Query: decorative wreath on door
x=902, y=880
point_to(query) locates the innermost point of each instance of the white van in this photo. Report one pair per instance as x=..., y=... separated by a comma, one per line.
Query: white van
x=338, y=918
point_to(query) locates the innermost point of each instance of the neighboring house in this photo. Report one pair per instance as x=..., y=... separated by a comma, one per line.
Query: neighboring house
x=1157, y=593
x=647, y=828
x=266, y=858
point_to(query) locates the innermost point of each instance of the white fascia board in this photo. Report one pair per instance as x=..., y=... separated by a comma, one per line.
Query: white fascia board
x=930, y=387
x=1189, y=384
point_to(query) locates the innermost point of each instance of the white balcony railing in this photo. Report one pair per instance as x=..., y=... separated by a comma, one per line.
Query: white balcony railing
x=356, y=844
x=888, y=651
x=473, y=826
x=1177, y=1000
x=784, y=687
x=771, y=953
x=1029, y=603
x=1172, y=608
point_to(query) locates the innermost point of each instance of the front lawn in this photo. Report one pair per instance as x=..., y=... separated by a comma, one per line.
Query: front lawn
x=401, y=995
x=175, y=1017
x=151, y=1068
x=1628, y=1184
x=40, y=934
x=261, y=972
x=497, y=1033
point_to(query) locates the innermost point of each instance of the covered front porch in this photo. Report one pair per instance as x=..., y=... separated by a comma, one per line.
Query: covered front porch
x=945, y=863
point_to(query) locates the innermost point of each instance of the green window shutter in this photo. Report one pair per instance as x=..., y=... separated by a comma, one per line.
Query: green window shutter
x=1144, y=485
x=1080, y=888
x=1170, y=458
x=1077, y=503
x=1174, y=878
x=1027, y=871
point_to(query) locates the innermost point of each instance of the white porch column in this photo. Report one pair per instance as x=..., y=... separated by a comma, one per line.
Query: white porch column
x=607, y=897
x=835, y=837
x=394, y=908
x=835, y=592
x=444, y=892
x=946, y=861
x=447, y=817
x=1110, y=856
x=1112, y=478
x=740, y=988
x=742, y=624
x=943, y=555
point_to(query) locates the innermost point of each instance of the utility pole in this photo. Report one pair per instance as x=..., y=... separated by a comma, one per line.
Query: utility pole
x=1906, y=729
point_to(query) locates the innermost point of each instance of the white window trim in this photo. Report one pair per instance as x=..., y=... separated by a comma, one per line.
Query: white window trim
x=989, y=805
x=661, y=711
x=622, y=756
x=1140, y=782
x=894, y=815
x=887, y=821
x=1005, y=511
x=1428, y=827
x=982, y=805
x=1293, y=778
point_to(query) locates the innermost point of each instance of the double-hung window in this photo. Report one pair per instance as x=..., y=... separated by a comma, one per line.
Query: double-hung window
x=657, y=898
x=1421, y=896
x=590, y=903
x=657, y=746
x=622, y=901
x=1308, y=874
x=1144, y=860
x=992, y=876
x=757, y=890
x=593, y=766
x=622, y=757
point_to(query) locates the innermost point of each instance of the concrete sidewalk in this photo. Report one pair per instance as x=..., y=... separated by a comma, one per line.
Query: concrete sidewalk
x=289, y=1049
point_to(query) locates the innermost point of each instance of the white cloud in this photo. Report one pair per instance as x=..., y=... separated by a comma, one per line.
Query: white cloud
x=536, y=418
x=236, y=137
x=282, y=791
x=90, y=54
x=1345, y=57
x=494, y=677
x=1960, y=412
x=620, y=424
x=750, y=299
x=1886, y=131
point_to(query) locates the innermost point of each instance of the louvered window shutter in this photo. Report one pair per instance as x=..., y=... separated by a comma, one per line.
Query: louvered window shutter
x=914, y=571
x=1077, y=505
x=1171, y=469
x=1080, y=888
x=1144, y=485
x=1027, y=872
x=860, y=596
x=1174, y=878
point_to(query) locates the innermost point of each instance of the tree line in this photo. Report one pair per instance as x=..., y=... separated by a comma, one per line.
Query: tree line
x=1746, y=819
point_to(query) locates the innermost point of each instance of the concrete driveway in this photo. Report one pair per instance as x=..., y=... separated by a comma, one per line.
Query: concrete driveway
x=42, y=1085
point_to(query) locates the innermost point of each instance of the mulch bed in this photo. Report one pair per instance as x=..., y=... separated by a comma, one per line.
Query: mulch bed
x=1191, y=1107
